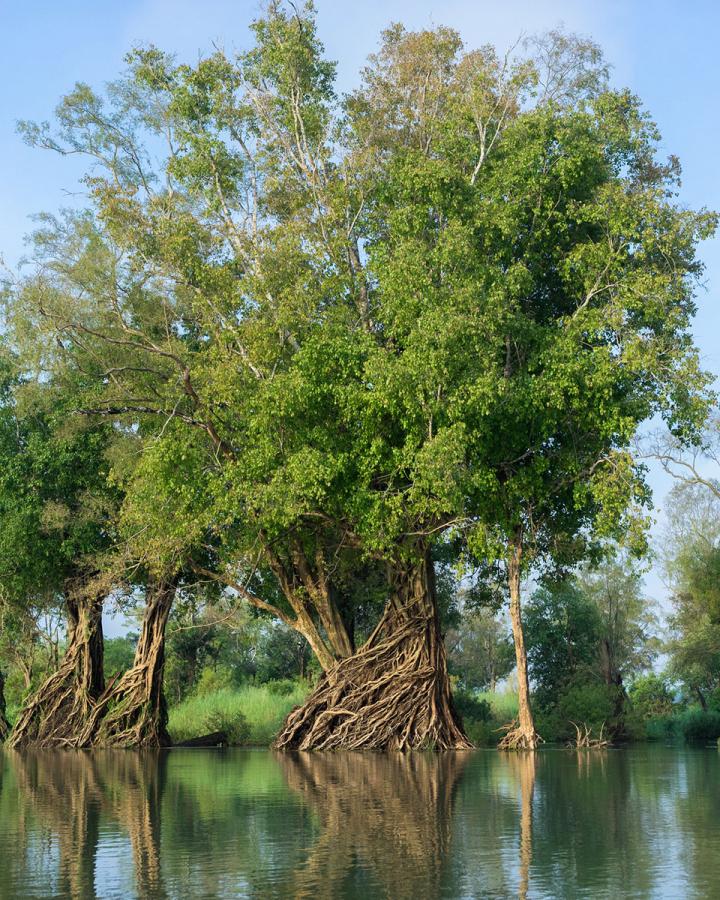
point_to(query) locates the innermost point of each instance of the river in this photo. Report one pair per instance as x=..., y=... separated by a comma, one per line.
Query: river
x=638, y=822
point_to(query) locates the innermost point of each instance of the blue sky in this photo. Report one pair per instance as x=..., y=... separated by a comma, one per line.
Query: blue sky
x=667, y=52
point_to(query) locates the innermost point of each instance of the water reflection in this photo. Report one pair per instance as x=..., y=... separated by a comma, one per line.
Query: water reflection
x=636, y=823
x=387, y=816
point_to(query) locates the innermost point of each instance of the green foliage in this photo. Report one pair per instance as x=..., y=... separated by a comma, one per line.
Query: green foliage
x=563, y=635
x=231, y=722
x=282, y=688
x=692, y=725
x=651, y=697
x=119, y=654
x=591, y=703
x=212, y=680
x=480, y=649
x=691, y=560
x=470, y=707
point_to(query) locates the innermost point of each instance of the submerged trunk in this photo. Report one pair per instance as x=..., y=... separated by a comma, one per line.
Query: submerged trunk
x=4, y=724
x=523, y=735
x=132, y=712
x=60, y=708
x=393, y=693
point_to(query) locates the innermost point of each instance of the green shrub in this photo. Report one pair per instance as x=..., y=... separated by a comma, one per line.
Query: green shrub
x=588, y=703
x=212, y=680
x=699, y=724
x=662, y=729
x=482, y=734
x=232, y=722
x=650, y=697
x=282, y=687
x=471, y=708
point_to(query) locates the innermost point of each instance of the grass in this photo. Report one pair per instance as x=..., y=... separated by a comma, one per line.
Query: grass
x=504, y=705
x=253, y=713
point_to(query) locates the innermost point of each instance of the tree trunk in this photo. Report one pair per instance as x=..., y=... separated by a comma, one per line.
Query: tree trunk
x=392, y=694
x=4, y=724
x=132, y=712
x=60, y=708
x=523, y=735
x=701, y=698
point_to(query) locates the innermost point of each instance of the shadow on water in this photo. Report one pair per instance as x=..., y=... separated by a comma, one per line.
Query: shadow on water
x=638, y=823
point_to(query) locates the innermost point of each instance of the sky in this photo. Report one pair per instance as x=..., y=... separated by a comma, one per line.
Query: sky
x=666, y=52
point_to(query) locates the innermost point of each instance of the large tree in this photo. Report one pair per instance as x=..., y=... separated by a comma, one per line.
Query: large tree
x=439, y=308
x=55, y=519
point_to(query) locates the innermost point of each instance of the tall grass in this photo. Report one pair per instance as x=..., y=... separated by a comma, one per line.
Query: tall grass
x=504, y=704
x=262, y=709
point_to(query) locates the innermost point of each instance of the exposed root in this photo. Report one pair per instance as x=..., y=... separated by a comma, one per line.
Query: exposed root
x=584, y=739
x=393, y=694
x=58, y=711
x=519, y=738
x=132, y=712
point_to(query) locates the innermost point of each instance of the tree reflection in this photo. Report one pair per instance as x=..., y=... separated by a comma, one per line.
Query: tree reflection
x=65, y=800
x=388, y=817
x=255, y=824
x=61, y=799
x=524, y=766
x=133, y=784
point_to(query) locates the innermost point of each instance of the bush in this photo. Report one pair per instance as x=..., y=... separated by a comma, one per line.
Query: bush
x=650, y=697
x=699, y=725
x=590, y=704
x=283, y=687
x=472, y=708
x=232, y=722
x=212, y=680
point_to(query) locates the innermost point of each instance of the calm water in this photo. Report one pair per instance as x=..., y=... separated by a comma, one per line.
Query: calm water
x=625, y=823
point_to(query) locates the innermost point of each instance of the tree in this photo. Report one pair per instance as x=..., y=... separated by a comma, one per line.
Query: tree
x=594, y=628
x=480, y=651
x=563, y=628
x=692, y=561
x=353, y=332
x=627, y=621
x=55, y=510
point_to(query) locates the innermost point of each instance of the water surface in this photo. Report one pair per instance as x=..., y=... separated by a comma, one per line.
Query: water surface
x=642, y=822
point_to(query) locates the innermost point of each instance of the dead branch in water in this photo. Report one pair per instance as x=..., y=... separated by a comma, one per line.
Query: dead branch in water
x=584, y=739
